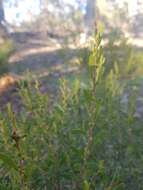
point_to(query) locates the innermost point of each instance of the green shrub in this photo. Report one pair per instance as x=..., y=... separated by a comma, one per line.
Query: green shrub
x=5, y=50
x=129, y=59
x=83, y=141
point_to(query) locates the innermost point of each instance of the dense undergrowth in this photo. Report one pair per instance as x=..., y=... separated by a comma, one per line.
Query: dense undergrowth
x=85, y=140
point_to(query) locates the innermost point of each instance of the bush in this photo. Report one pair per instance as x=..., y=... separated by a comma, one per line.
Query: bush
x=5, y=50
x=84, y=141
x=129, y=59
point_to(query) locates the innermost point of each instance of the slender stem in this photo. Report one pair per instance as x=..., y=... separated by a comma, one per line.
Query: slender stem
x=16, y=139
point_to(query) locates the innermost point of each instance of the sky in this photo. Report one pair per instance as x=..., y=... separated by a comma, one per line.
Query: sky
x=19, y=14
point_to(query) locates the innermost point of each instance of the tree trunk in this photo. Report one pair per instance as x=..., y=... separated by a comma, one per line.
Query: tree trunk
x=2, y=16
x=89, y=18
x=3, y=31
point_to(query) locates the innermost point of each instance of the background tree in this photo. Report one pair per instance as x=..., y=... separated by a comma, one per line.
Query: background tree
x=3, y=31
x=89, y=18
x=2, y=18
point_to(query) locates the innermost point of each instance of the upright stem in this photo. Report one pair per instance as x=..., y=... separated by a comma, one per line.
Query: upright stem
x=16, y=139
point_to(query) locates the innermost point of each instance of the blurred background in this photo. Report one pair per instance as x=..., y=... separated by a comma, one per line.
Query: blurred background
x=80, y=15
x=48, y=38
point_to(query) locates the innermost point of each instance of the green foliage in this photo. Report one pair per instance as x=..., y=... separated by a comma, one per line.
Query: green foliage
x=128, y=58
x=5, y=50
x=82, y=141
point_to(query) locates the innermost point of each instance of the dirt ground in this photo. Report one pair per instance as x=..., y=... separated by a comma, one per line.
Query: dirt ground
x=45, y=58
